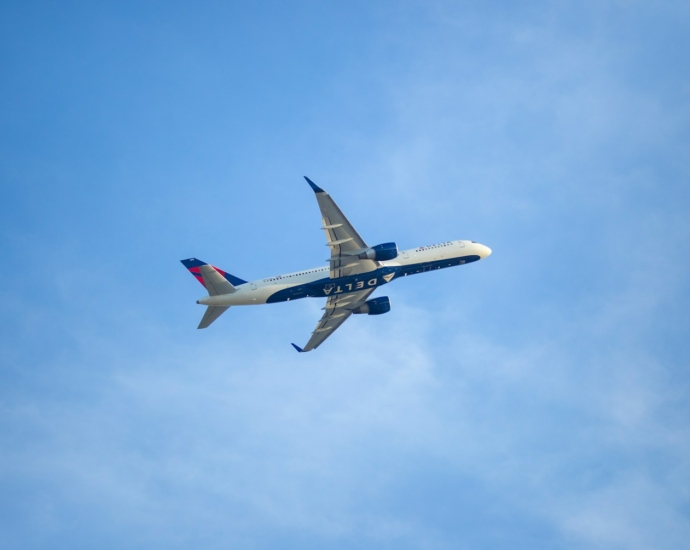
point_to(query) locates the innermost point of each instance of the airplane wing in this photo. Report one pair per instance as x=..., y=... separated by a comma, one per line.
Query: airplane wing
x=343, y=240
x=338, y=309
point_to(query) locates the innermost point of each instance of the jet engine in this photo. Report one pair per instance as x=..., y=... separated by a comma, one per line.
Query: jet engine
x=377, y=306
x=380, y=252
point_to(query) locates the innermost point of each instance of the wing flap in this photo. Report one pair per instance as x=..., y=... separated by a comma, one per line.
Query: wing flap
x=338, y=309
x=341, y=237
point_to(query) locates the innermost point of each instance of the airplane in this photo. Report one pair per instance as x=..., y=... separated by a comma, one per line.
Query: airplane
x=354, y=272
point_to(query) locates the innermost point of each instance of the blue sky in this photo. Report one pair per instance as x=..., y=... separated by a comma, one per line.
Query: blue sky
x=538, y=399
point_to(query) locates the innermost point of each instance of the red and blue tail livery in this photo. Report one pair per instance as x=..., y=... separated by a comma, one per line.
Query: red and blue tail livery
x=194, y=267
x=355, y=270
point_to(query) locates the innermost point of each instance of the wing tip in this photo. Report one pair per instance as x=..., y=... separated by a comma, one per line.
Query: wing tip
x=315, y=187
x=299, y=349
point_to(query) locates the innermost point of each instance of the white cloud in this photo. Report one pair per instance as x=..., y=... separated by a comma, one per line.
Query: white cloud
x=567, y=416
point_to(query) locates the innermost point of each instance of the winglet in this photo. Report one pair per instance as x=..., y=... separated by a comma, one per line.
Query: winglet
x=315, y=187
x=293, y=345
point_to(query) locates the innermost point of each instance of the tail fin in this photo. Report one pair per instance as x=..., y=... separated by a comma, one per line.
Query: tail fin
x=214, y=279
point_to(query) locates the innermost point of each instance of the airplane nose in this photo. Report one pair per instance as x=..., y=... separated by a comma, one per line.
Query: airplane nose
x=484, y=251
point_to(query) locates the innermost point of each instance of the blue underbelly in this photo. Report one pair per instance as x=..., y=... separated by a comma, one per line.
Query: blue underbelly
x=323, y=288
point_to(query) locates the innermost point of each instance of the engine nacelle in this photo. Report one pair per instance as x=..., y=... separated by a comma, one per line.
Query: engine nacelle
x=377, y=306
x=381, y=252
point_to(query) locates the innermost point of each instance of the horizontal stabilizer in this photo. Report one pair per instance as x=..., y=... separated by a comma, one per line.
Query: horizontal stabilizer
x=212, y=313
x=214, y=282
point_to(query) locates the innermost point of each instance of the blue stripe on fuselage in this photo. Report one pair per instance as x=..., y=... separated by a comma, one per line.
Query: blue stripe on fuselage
x=323, y=288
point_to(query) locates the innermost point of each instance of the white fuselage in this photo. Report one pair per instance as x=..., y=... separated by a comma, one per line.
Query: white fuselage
x=309, y=282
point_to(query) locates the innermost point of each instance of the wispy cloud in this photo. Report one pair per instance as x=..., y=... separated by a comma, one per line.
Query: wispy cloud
x=537, y=399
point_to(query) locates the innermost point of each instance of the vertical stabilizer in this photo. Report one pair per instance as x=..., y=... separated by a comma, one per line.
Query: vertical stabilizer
x=194, y=266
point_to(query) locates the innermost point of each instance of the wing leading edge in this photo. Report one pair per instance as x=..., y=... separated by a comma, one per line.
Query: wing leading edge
x=346, y=245
x=343, y=239
x=338, y=309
